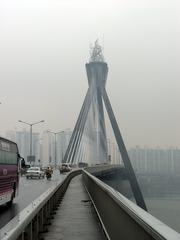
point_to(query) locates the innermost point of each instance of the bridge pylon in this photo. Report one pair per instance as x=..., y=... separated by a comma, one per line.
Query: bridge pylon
x=90, y=125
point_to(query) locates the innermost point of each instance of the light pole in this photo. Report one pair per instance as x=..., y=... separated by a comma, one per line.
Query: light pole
x=31, y=124
x=55, y=147
x=37, y=149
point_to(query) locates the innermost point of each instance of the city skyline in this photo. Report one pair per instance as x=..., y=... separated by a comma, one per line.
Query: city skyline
x=44, y=149
x=10, y=132
x=43, y=145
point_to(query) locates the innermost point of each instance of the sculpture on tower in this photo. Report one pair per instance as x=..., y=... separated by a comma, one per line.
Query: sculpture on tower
x=96, y=54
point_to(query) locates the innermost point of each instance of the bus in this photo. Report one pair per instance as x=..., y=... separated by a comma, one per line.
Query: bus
x=9, y=170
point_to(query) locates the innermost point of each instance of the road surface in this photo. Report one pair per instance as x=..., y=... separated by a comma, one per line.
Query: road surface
x=29, y=190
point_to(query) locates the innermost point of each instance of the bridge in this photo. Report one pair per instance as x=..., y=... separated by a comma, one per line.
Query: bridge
x=82, y=206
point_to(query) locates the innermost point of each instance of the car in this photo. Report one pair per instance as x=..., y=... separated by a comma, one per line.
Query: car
x=36, y=172
x=65, y=167
x=24, y=170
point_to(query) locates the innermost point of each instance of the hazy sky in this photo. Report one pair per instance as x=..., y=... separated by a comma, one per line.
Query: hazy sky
x=45, y=44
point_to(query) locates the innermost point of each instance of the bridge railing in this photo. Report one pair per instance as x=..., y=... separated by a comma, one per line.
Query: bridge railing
x=35, y=218
x=121, y=218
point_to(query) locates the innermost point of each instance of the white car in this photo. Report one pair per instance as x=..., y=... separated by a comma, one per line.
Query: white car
x=35, y=172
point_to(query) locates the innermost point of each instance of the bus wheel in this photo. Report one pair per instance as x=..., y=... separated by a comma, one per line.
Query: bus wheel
x=9, y=204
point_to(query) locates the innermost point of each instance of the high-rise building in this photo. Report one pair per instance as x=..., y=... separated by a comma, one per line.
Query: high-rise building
x=23, y=141
x=46, y=149
x=62, y=143
x=155, y=161
x=49, y=148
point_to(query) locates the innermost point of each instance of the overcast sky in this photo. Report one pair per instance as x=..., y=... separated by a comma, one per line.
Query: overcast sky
x=44, y=46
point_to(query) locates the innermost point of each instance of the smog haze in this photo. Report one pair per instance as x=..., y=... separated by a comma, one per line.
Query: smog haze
x=44, y=46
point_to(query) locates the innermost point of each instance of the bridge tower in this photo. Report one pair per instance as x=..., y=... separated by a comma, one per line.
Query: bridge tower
x=97, y=71
x=90, y=126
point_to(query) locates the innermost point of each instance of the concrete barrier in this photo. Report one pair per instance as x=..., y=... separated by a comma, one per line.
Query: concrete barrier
x=33, y=220
x=104, y=169
x=121, y=218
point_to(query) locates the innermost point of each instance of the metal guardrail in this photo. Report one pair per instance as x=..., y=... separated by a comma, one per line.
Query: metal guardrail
x=121, y=218
x=33, y=220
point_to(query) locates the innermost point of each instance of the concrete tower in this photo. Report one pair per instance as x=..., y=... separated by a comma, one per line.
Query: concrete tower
x=97, y=71
x=90, y=125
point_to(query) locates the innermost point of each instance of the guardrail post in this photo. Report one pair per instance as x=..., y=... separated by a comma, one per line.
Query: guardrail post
x=35, y=228
x=21, y=237
x=51, y=207
x=41, y=220
x=45, y=218
x=48, y=211
x=28, y=232
x=53, y=204
x=56, y=200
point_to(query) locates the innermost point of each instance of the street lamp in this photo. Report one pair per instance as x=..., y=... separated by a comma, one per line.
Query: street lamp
x=37, y=148
x=55, y=147
x=30, y=124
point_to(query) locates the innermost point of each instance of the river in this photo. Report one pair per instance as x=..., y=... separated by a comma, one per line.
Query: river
x=161, y=194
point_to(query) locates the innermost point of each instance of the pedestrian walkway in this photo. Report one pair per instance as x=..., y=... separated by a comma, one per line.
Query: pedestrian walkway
x=75, y=219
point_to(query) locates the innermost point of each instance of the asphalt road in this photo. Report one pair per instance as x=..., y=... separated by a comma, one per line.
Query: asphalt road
x=29, y=190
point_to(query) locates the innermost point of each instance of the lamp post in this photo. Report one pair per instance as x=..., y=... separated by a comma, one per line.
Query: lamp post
x=55, y=147
x=31, y=124
x=37, y=149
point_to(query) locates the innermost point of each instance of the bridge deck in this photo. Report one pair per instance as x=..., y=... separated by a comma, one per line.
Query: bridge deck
x=75, y=219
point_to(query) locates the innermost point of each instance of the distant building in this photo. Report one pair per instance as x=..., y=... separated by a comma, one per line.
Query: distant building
x=45, y=149
x=176, y=161
x=155, y=161
x=23, y=141
x=48, y=147
x=62, y=144
x=22, y=138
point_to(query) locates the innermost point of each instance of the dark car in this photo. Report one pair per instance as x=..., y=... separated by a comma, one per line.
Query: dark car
x=65, y=167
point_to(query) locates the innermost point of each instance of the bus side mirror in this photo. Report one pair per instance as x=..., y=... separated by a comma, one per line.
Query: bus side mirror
x=23, y=164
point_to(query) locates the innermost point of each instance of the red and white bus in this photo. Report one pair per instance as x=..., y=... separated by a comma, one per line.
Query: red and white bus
x=9, y=171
